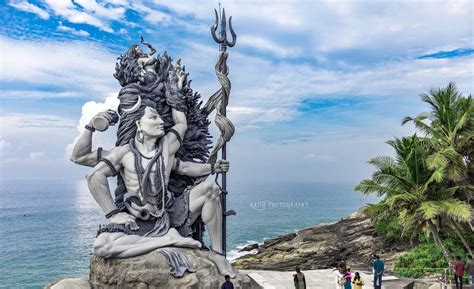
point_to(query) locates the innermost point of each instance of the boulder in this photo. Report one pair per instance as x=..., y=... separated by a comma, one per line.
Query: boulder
x=70, y=283
x=152, y=271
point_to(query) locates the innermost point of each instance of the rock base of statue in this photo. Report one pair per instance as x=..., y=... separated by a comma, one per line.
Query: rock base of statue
x=152, y=271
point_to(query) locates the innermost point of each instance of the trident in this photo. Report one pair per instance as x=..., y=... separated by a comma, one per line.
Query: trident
x=222, y=71
x=222, y=40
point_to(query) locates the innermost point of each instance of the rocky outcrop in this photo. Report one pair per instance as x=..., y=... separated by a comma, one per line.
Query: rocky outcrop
x=352, y=240
x=152, y=271
x=70, y=283
x=249, y=247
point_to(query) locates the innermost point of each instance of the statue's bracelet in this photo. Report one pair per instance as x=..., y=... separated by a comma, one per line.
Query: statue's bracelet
x=89, y=128
x=113, y=212
x=213, y=169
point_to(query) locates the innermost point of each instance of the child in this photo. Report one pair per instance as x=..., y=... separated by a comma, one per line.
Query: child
x=358, y=281
x=348, y=277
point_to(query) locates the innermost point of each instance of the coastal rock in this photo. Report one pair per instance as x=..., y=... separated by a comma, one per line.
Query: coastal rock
x=249, y=248
x=152, y=271
x=352, y=239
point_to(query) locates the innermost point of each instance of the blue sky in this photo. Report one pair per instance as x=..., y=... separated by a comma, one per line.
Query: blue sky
x=318, y=86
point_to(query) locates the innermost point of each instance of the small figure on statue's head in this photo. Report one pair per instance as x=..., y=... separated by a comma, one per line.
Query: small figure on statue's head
x=137, y=66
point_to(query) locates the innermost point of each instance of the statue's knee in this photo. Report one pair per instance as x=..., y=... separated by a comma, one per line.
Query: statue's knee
x=212, y=186
x=215, y=195
x=208, y=186
x=102, y=246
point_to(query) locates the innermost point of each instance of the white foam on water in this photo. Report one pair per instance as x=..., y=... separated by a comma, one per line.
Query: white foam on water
x=232, y=255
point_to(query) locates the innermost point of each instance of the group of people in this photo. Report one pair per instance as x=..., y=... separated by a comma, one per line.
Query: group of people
x=344, y=278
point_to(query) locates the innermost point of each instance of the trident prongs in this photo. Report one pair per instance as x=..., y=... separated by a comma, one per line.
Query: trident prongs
x=222, y=39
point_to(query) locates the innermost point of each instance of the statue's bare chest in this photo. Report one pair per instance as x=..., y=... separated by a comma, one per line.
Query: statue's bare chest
x=130, y=164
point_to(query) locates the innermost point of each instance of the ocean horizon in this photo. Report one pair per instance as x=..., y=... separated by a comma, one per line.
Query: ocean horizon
x=48, y=227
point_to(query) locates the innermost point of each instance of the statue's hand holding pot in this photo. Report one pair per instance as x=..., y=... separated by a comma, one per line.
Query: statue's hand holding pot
x=102, y=120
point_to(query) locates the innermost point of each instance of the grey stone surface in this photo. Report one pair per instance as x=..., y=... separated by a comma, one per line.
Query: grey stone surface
x=315, y=279
x=152, y=271
x=70, y=283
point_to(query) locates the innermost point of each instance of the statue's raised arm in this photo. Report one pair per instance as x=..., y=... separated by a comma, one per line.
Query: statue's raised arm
x=82, y=153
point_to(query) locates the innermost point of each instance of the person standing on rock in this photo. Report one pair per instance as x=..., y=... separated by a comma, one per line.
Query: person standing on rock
x=458, y=272
x=299, y=280
x=227, y=284
x=378, y=272
x=358, y=281
x=470, y=271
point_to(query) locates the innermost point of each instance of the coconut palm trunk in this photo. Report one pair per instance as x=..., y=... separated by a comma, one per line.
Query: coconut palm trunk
x=438, y=242
x=465, y=243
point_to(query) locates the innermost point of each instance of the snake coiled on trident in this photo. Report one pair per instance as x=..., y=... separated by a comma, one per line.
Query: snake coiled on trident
x=218, y=101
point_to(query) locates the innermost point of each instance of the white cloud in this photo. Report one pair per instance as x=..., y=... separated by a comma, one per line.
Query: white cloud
x=111, y=13
x=32, y=136
x=153, y=16
x=266, y=45
x=71, y=13
x=79, y=32
x=323, y=27
x=28, y=7
x=35, y=156
x=76, y=69
x=267, y=91
x=3, y=144
x=309, y=156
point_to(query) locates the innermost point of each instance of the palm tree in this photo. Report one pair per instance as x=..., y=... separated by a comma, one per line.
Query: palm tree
x=450, y=135
x=449, y=132
x=412, y=191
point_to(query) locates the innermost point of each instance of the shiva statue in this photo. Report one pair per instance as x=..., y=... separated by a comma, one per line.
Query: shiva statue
x=161, y=160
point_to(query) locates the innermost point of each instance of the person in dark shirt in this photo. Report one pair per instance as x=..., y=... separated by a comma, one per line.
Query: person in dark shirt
x=299, y=280
x=378, y=272
x=458, y=272
x=227, y=284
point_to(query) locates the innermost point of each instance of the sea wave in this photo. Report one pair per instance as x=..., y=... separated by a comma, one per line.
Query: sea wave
x=233, y=254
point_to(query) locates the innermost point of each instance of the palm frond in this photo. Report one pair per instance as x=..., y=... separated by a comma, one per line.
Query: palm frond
x=368, y=187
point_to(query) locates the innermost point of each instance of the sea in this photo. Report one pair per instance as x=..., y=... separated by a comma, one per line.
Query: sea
x=47, y=227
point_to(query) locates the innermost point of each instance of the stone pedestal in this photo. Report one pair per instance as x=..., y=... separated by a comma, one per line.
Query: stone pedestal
x=152, y=271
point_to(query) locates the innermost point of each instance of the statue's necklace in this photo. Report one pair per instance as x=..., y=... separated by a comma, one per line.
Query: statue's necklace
x=143, y=174
x=143, y=156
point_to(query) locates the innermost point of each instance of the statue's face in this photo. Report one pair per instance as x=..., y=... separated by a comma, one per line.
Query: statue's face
x=151, y=123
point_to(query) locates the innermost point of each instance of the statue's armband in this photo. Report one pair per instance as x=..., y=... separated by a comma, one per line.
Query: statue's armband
x=178, y=137
x=99, y=154
x=110, y=165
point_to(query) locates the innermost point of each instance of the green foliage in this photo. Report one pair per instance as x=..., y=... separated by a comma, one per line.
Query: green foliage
x=389, y=228
x=427, y=258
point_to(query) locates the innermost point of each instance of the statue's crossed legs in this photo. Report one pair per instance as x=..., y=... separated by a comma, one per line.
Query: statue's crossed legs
x=204, y=201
